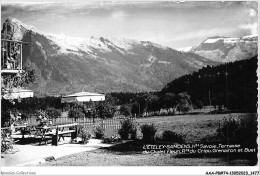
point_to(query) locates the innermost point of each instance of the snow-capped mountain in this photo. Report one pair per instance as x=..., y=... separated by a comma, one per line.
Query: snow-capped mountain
x=185, y=49
x=226, y=49
x=68, y=65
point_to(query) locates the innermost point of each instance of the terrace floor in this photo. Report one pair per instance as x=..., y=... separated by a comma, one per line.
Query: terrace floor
x=33, y=154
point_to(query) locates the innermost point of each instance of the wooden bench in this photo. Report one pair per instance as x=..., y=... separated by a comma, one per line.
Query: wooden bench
x=62, y=130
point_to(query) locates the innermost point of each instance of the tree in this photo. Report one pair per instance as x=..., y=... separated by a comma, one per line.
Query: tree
x=53, y=113
x=125, y=110
x=105, y=110
x=184, y=102
x=76, y=111
x=140, y=104
x=8, y=84
x=199, y=104
x=11, y=82
x=233, y=85
x=75, y=114
x=153, y=104
x=168, y=101
x=135, y=108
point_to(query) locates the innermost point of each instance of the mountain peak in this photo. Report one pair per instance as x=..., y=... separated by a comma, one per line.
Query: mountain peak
x=250, y=37
x=216, y=37
x=15, y=29
x=221, y=39
x=13, y=20
x=227, y=49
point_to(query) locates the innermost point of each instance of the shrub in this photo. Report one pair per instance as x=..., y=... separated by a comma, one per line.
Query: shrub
x=127, y=128
x=111, y=139
x=148, y=131
x=242, y=131
x=171, y=136
x=211, y=139
x=99, y=132
x=53, y=113
x=184, y=107
x=84, y=135
x=230, y=128
x=233, y=130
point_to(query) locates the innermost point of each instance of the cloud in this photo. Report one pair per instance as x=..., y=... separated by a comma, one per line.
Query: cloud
x=252, y=13
x=118, y=15
x=251, y=27
x=198, y=34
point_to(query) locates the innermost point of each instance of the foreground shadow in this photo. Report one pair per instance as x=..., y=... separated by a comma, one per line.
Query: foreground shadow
x=138, y=147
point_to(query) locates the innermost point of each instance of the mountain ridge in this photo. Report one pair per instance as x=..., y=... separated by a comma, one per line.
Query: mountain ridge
x=67, y=65
x=226, y=49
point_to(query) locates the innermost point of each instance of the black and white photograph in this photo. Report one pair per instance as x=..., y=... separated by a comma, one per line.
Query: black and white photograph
x=129, y=84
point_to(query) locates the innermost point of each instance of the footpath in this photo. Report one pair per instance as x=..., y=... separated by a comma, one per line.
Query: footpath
x=33, y=154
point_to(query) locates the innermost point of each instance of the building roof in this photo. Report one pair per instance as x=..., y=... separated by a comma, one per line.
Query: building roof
x=82, y=94
x=83, y=97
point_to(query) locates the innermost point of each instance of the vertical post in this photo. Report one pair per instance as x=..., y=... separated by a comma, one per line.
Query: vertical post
x=21, y=56
x=8, y=54
x=139, y=110
x=226, y=88
x=204, y=89
x=6, y=46
x=55, y=137
x=209, y=103
x=11, y=53
x=2, y=58
x=84, y=121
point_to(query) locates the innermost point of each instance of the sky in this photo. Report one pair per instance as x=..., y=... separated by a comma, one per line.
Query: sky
x=170, y=23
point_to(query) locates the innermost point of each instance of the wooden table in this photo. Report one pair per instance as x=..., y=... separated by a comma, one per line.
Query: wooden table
x=43, y=132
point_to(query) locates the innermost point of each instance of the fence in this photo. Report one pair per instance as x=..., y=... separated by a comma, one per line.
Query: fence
x=110, y=126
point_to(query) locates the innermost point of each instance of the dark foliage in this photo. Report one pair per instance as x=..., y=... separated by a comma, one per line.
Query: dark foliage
x=105, y=110
x=33, y=104
x=125, y=110
x=148, y=131
x=242, y=131
x=84, y=134
x=127, y=129
x=198, y=104
x=234, y=130
x=183, y=102
x=75, y=114
x=168, y=101
x=170, y=136
x=232, y=85
x=99, y=132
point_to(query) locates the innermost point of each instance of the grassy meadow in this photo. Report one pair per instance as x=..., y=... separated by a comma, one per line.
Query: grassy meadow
x=192, y=127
